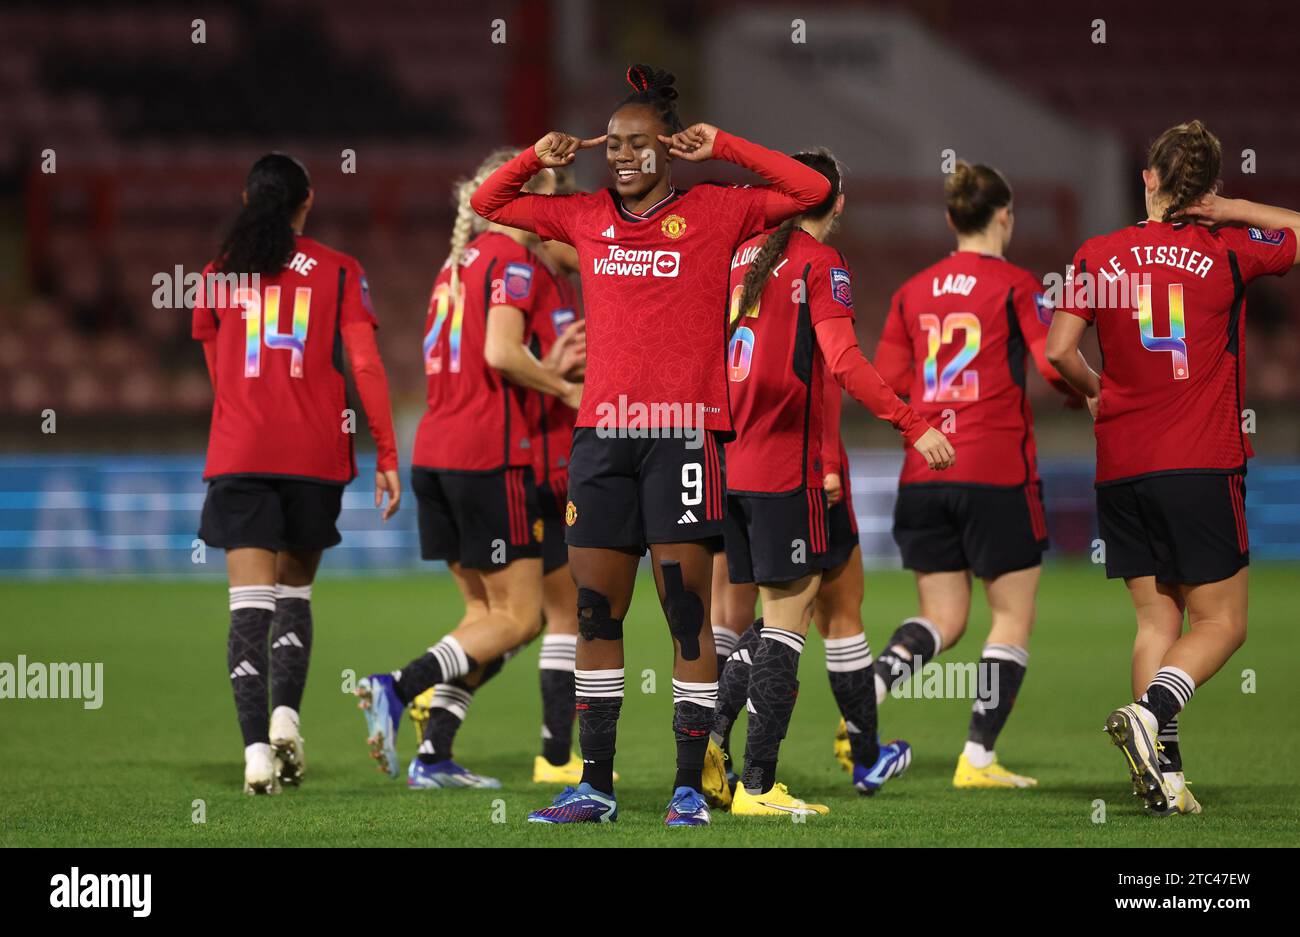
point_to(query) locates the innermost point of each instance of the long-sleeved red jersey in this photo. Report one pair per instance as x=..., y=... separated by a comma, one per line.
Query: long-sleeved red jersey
x=275, y=355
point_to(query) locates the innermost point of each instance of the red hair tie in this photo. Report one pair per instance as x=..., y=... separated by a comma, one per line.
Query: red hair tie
x=643, y=86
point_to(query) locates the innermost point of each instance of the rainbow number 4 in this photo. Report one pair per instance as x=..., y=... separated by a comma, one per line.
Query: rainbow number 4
x=440, y=305
x=262, y=323
x=943, y=386
x=740, y=352
x=1176, y=341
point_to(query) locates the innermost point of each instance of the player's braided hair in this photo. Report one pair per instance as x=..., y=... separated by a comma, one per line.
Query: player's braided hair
x=973, y=194
x=1187, y=159
x=468, y=223
x=774, y=247
x=653, y=87
x=260, y=240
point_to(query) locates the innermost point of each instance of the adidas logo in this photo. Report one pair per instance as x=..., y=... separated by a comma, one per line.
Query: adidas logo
x=287, y=640
x=243, y=669
x=688, y=518
x=608, y=232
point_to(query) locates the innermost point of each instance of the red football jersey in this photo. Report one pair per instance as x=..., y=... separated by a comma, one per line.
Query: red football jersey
x=1173, y=363
x=280, y=395
x=655, y=289
x=963, y=328
x=776, y=372
x=550, y=419
x=474, y=418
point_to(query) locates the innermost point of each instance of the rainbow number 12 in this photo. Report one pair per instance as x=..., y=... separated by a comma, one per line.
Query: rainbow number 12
x=255, y=310
x=943, y=386
x=1176, y=341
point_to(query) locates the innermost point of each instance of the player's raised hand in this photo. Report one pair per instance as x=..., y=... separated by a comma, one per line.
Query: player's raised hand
x=833, y=488
x=694, y=144
x=388, y=482
x=938, y=452
x=558, y=149
x=1211, y=210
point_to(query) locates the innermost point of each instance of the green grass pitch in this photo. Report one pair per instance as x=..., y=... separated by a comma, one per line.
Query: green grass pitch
x=130, y=773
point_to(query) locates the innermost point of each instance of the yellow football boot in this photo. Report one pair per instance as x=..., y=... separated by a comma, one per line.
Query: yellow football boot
x=775, y=803
x=418, y=710
x=843, y=750
x=994, y=776
x=716, y=789
x=569, y=774
x=1182, y=801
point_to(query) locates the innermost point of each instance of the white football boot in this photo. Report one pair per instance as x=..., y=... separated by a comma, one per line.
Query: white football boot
x=288, y=746
x=261, y=774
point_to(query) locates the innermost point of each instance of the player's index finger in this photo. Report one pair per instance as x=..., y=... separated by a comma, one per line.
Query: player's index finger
x=594, y=141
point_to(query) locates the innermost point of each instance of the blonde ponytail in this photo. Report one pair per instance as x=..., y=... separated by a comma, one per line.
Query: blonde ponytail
x=468, y=223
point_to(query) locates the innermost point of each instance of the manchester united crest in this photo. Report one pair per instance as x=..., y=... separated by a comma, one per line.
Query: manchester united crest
x=538, y=530
x=571, y=514
x=674, y=226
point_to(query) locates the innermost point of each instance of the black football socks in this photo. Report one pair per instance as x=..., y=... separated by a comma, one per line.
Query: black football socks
x=1171, y=755
x=598, y=696
x=916, y=641
x=733, y=684
x=247, y=656
x=1002, y=669
x=555, y=674
x=442, y=663
x=848, y=665
x=1167, y=694
x=724, y=642
x=773, y=686
x=290, y=645
x=693, y=707
x=448, y=710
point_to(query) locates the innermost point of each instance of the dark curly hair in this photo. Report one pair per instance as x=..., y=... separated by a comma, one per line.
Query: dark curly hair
x=653, y=87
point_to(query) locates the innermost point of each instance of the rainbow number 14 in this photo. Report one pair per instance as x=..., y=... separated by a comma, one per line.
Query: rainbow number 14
x=256, y=309
x=1176, y=341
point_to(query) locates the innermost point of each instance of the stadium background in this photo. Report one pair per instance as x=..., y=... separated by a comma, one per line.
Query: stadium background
x=151, y=134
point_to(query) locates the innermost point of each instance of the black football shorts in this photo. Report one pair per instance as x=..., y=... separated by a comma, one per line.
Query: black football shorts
x=270, y=513
x=551, y=501
x=989, y=530
x=843, y=524
x=625, y=492
x=1179, y=528
x=776, y=538
x=481, y=520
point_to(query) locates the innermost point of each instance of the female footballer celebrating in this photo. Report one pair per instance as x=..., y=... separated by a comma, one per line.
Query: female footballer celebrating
x=792, y=308
x=956, y=343
x=279, y=455
x=473, y=478
x=1171, y=454
x=646, y=466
